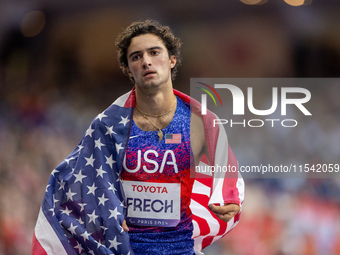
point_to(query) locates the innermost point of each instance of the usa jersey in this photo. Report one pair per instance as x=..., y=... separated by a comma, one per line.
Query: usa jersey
x=150, y=165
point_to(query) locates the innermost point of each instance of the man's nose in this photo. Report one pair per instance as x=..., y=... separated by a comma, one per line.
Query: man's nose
x=146, y=60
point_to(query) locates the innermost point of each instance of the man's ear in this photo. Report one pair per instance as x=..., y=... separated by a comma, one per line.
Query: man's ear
x=173, y=61
x=129, y=72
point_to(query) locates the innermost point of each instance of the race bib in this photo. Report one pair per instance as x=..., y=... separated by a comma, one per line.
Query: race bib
x=153, y=204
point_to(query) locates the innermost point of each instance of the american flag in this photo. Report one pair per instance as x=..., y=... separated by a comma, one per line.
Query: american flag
x=83, y=207
x=172, y=138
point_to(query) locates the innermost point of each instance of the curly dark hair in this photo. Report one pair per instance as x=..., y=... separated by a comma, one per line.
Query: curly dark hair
x=172, y=43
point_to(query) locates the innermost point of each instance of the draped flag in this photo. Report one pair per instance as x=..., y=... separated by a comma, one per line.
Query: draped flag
x=83, y=208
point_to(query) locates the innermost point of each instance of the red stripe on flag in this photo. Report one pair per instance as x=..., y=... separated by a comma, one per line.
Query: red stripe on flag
x=204, y=226
x=205, y=181
x=237, y=216
x=37, y=249
x=200, y=198
x=131, y=100
x=207, y=241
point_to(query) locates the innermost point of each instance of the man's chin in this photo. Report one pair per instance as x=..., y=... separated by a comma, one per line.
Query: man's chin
x=149, y=84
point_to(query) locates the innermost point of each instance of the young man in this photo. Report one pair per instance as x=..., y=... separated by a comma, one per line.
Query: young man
x=146, y=144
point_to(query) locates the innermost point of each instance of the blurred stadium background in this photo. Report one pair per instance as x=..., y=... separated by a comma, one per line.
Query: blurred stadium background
x=58, y=70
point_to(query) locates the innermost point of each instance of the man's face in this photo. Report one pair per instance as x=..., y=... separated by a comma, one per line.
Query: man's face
x=148, y=61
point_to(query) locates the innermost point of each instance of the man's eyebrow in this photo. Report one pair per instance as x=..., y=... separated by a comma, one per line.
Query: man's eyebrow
x=148, y=49
x=156, y=48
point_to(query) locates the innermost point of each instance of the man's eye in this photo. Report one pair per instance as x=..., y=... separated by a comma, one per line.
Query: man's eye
x=134, y=58
x=155, y=52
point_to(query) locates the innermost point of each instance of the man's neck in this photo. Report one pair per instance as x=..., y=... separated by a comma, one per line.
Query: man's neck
x=155, y=102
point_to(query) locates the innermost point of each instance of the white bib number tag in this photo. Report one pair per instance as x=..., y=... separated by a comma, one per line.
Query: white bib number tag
x=153, y=204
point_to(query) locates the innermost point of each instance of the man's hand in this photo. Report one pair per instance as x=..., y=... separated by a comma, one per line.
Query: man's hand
x=225, y=212
x=124, y=226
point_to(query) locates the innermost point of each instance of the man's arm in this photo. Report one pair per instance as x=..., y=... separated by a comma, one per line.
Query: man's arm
x=199, y=146
x=197, y=138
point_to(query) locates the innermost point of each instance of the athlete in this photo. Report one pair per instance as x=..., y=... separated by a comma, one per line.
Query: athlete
x=149, y=54
x=128, y=187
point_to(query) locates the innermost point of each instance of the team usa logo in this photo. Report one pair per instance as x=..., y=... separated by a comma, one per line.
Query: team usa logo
x=151, y=157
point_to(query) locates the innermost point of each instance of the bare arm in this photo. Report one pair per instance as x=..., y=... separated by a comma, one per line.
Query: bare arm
x=197, y=138
x=199, y=147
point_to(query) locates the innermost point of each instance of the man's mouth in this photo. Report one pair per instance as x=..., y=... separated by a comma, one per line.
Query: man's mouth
x=149, y=72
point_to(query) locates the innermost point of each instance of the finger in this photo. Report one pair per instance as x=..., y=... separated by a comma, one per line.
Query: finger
x=124, y=226
x=217, y=209
x=224, y=208
x=225, y=212
x=225, y=217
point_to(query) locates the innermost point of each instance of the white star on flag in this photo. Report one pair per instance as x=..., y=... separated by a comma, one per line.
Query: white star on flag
x=90, y=160
x=72, y=229
x=81, y=221
x=54, y=172
x=118, y=177
x=114, y=213
x=124, y=120
x=92, y=189
x=119, y=147
x=85, y=235
x=121, y=229
x=114, y=243
x=110, y=161
x=54, y=200
x=79, y=177
x=62, y=185
x=104, y=229
x=121, y=204
x=102, y=115
x=82, y=205
x=110, y=131
x=52, y=210
x=78, y=246
x=102, y=200
x=100, y=171
x=89, y=132
x=69, y=159
x=112, y=188
x=66, y=211
x=70, y=194
x=99, y=244
x=92, y=217
x=98, y=144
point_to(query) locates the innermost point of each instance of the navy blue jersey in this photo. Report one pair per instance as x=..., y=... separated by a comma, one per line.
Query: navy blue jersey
x=151, y=161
